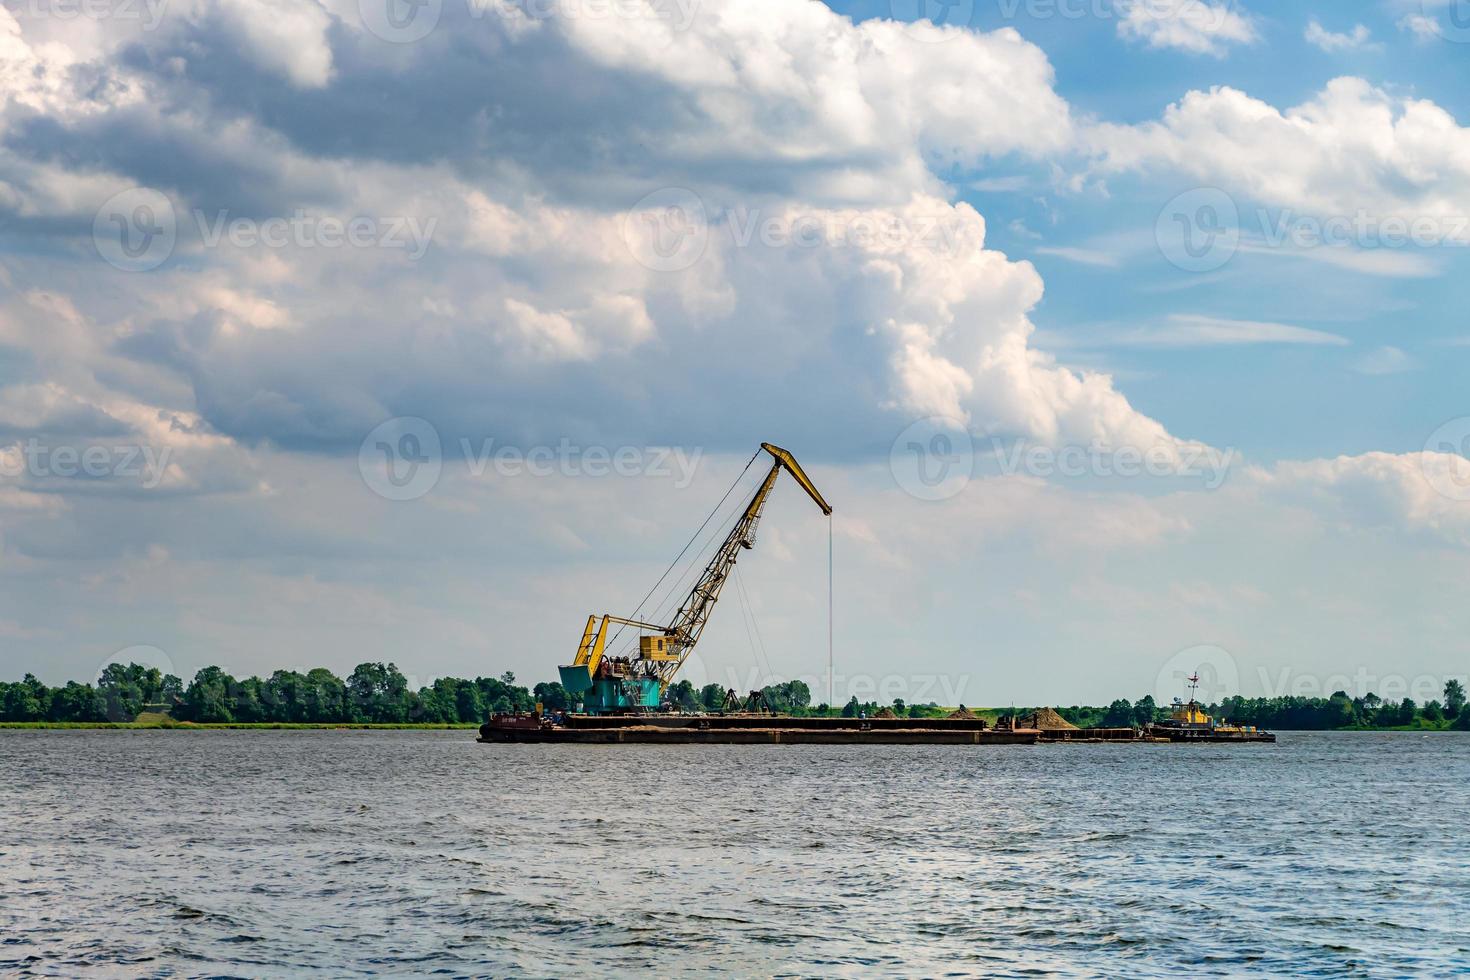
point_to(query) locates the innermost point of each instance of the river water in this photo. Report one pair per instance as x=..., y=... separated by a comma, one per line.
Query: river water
x=347, y=853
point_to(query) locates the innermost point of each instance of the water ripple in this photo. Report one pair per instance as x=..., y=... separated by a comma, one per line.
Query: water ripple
x=355, y=853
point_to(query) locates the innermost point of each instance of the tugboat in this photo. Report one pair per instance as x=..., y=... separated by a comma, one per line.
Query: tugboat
x=1189, y=723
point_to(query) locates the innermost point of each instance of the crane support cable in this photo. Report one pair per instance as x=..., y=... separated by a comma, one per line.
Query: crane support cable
x=719, y=530
x=691, y=541
x=679, y=588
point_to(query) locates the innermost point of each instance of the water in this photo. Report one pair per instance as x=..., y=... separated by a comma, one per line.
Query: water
x=340, y=853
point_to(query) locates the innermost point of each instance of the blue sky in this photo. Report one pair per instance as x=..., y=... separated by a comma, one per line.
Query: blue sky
x=1252, y=390
x=266, y=265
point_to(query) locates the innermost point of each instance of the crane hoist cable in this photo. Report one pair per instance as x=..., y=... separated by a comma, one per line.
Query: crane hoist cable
x=757, y=642
x=696, y=535
x=679, y=590
x=719, y=530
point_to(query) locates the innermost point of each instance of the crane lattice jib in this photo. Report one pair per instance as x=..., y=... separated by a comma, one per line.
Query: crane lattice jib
x=690, y=620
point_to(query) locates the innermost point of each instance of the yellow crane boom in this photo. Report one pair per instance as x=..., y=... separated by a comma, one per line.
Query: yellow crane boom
x=640, y=683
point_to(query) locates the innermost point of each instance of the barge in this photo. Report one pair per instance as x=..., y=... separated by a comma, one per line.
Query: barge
x=740, y=729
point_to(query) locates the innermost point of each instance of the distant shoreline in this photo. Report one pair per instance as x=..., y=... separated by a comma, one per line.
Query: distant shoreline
x=184, y=726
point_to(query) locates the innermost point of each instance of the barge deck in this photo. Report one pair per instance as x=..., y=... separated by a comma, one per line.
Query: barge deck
x=751, y=730
x=763, y=729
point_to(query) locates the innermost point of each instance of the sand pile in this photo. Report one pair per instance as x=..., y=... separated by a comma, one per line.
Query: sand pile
x=884, y=713
x=963, y=712
x=1049, y=721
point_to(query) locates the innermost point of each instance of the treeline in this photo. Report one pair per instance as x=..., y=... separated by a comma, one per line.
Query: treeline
x=791, y=698
x=378, y=693
x=1294, y=713
x=374, y=693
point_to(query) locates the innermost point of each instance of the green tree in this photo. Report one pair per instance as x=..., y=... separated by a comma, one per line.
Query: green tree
x=325, y=696
x=1369, y=707
x=1144, y=710
x=25, y=701
x=681, y=694
x=438, y=704
x=470, y=707
x=792, y=697
x=75, y=702
x=1340, y=712
x=208, y=697
x=852, y=709
x=554, y=697
x=712, y=696
x=378, y=693
x=1454, y=698
x=1433, y=711
x=1119, y=715
x=502, y=695
x=1407, y=711
x=126, y=688
x=249, y=704
x=284, y=697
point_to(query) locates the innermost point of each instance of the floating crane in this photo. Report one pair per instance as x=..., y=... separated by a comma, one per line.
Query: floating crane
x=611, y=685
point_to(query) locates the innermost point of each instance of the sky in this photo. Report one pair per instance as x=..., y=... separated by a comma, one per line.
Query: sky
x=1125, y=337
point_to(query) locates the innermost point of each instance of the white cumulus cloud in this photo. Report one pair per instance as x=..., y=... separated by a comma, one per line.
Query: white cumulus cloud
x=1195, y=26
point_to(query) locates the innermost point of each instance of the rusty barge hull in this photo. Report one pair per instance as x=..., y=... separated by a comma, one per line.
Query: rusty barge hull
x=753, y=730
x=1199, y=736
x=760, y=736
x=738, y=729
